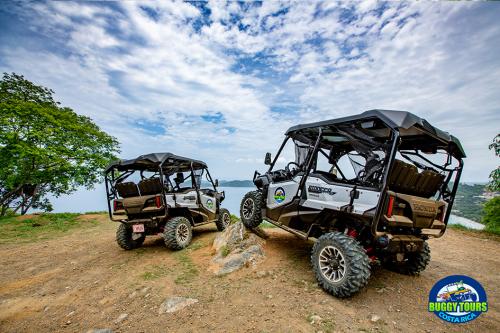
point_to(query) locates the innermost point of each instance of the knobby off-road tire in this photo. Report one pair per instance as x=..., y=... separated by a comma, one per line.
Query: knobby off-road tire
x=251, y=209
x=124, y=238
x=414, y=262
x=178, y=233
x=224, y=219
x=340, y=264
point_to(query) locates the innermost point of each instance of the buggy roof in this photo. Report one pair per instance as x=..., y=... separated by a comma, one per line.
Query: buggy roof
x=152, y=162
x=415, y=132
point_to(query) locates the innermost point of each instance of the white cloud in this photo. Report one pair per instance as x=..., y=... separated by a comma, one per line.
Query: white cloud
x=129, y=69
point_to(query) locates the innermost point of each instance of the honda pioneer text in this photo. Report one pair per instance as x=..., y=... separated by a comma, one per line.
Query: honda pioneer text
x=368, y=188
x=162, y=193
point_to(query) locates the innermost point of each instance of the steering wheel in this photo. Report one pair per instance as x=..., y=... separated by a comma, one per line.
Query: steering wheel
x=287, y=167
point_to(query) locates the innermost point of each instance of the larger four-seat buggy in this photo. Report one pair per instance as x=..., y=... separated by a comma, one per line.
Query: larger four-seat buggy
x=368, y=188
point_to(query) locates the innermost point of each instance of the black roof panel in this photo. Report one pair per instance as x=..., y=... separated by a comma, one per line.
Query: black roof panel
x=152, y=161
x=397, y=120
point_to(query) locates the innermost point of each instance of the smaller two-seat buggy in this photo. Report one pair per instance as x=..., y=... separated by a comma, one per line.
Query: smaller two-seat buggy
x=162, y=193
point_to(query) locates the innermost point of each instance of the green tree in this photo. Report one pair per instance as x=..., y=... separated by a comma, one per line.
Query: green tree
x=45, y=148
x=494, y=184
x=491, y=217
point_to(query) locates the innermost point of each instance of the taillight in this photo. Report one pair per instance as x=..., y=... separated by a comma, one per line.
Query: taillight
x=117, y=205
x=158, y=202
x=390, y=206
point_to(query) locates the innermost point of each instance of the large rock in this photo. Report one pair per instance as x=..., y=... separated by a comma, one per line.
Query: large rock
x=236, y=247
x=175, y=303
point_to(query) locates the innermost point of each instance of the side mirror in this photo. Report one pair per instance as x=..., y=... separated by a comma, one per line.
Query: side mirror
x=267, y=160
x=216, y=183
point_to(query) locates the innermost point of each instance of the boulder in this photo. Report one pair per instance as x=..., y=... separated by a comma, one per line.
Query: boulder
x=236, y=247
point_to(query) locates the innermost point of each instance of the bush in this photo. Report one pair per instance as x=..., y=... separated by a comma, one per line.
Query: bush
x=491, y=216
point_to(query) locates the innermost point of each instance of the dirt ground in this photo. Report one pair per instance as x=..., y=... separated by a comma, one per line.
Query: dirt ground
x=82, y=280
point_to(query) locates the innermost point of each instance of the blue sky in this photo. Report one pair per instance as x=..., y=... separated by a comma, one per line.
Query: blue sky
x=222, y=82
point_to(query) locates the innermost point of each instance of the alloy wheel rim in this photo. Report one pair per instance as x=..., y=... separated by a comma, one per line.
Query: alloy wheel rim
x=248, y=207
x=332, y=263
x=182, y=233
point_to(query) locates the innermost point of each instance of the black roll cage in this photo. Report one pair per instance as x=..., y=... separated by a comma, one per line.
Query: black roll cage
x=396, y=141
x=112, y=194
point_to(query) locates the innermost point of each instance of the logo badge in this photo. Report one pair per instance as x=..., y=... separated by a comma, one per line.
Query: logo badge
x=279, y=195
x=210, y=204
x=457, y=299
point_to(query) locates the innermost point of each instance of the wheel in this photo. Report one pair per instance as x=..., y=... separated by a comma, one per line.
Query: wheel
x=178, y=233
x=125, y=240
x=224, y=219
x=340, y=264
x=413, y=263
x=251, y=209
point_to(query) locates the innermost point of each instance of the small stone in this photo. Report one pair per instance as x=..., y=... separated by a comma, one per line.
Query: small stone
x=45, y=309
x=121, y=318
x=314, y=319
x=374, y=318
x=70, y=314
x=261, y=274
x=133, y=294
x=68, y=322
x=269, y=296
x=100, y=330
x=175, y=303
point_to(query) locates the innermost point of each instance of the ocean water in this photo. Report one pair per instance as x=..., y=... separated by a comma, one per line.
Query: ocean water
x=95, y=200
x=233, y=198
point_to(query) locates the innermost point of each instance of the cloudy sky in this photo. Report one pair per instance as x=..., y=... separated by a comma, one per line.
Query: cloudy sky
x=222, y=82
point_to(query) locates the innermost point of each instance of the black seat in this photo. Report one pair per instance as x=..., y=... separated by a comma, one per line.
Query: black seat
x=150, y=186
x=326, y=176
x=127, y=190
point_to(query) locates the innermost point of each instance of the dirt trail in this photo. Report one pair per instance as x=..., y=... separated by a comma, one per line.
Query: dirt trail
x=83, y=280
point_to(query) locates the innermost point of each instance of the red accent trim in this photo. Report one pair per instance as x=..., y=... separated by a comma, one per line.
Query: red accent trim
x=352, y=233
x=158, y=202
x=390, y=206
x=115, y=205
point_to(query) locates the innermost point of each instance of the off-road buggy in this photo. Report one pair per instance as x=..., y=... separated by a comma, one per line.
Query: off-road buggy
x=162, y=193
x=369, y=188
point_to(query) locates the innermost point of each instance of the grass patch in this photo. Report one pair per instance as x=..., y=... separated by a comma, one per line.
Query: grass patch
x=225, y=251
x=155, y=272
x=494, y=230
x=267, y=225
x=186, y=268
x=485, y=233
x=196, y=245
x=42, y=226
x=100, y=212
